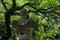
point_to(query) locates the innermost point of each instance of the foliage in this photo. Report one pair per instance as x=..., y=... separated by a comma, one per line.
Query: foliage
x=48, y=23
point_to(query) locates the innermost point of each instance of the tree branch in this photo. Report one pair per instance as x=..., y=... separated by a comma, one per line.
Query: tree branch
x=2, y=12
x=37, y=10
x=27, y=4
x=4, y=5
x=33, y=11
x=8, y=3
x=13, y=3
